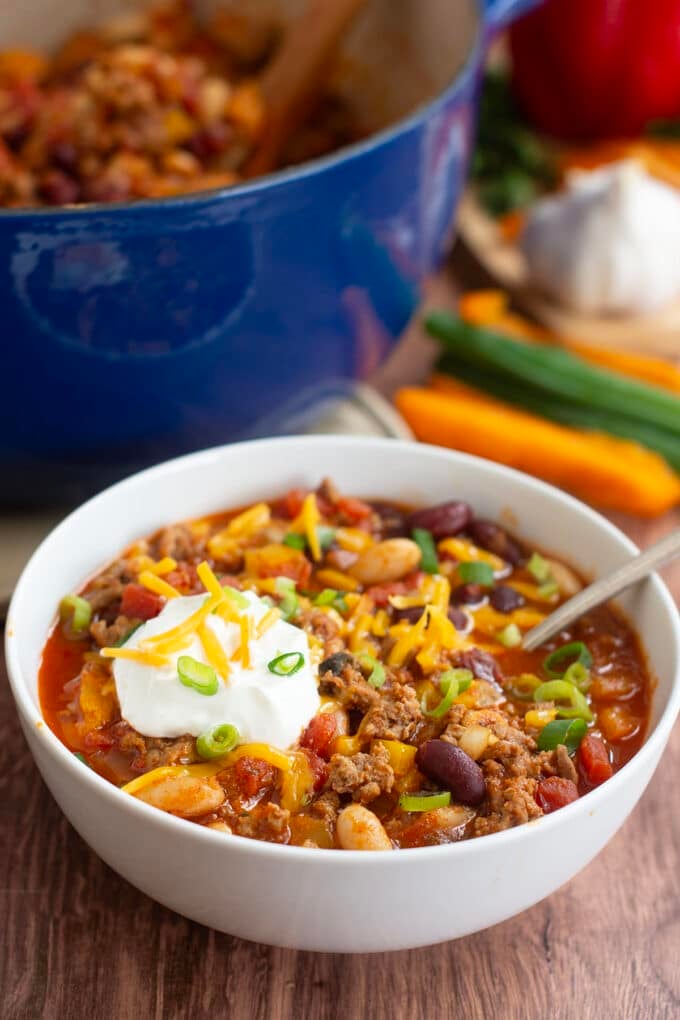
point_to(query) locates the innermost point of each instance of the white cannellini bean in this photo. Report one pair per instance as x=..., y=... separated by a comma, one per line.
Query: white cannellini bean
x=186, y=796
x=567, y=581
x=219, y=827
x=386, y=561
x=359, y=829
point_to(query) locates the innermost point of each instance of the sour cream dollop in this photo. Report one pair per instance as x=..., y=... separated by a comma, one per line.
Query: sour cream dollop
x=262, y=705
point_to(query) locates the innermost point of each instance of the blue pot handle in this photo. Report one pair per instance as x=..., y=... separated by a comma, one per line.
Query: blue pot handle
x=500, y=13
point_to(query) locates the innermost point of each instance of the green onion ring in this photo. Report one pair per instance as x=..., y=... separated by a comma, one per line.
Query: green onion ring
x=78, y=610
x=424, y=801
x=197, y=675
x=376, y=678
x=286, y=664
x=295, y=541
x=217, y=742
x=476, y=573
x=569, y=732
x=428, y=551
x=539, y=568
x=562, y=690
x=575, y=650
x=451, y=683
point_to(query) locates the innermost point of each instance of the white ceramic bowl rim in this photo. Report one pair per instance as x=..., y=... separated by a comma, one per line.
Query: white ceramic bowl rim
x=387, y=858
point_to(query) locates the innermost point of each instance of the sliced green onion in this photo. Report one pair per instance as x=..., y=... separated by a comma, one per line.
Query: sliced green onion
x=325, y=535
x=289, y=603
x=578, y=675
x=286, y=664
x=562, y=691
x=81, y=757
x=547, y=590
x=556, y=663
x=451, y=683
x=294, y=541
x=510, y=636
x=236, y=596
x=476, y=573
x=78, y=610
x=126, y=637
x=376, y=677
x=424, y=801
x=217, y=742
x=569, y=732
x=197, y=675
x=539, y=568
x=522, y=687
x=428, y=551
x=327, y=597
x=268, y=601
x=340, y=604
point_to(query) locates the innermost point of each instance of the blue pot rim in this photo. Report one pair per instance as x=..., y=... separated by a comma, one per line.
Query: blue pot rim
x=302, y=171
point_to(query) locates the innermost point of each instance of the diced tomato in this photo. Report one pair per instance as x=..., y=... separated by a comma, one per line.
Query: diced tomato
x=355, y=510
x=380, y=593
x=139, y=603
x=593, y=758
x=289, y=505
x=555, y=793
x=297, y=568
x=318, y=768
x=184, y=578
x=253, y=776
x=319, y=734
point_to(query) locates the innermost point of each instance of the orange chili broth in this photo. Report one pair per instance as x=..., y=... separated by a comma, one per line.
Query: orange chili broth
x=63, y=658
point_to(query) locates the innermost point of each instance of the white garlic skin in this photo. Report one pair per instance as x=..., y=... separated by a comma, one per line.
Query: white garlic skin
x=609, y=244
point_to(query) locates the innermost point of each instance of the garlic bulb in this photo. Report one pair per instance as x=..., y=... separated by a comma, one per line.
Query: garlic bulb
x=609, y=244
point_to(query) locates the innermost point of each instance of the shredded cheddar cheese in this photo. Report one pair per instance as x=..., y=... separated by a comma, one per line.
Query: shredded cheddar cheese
x=353, y=539
x=466, y=552
x=135, y=655
x=306, y=524
x=170, y=640
x=267, y=621
x=157, y=585
x=214, y=652
x=336, y=579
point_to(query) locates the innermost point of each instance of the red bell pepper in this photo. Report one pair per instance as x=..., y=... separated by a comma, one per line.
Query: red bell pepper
x=586, y=69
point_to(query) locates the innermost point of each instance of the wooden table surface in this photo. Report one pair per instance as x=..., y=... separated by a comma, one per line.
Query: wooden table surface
x=78, y=941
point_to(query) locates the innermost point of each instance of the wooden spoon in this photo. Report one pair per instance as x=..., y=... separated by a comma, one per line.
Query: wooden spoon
x=605, y=588
x=291, y=83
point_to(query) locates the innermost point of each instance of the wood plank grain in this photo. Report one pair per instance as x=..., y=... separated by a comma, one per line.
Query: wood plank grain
x=79, y=941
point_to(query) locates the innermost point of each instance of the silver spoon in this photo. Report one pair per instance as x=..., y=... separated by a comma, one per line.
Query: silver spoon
x=605, y=588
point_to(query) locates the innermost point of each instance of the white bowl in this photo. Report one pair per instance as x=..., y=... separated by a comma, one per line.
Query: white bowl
x=337, y=901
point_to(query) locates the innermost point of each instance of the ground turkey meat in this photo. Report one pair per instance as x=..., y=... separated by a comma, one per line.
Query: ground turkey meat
x=269, y=822
x=327, y=807
x=178, y=542
x=107, y=588
x=345, y=682
x=323, y=627
x=510, y=765
x=395, y=716
x=365, y=776
x=152, y=752
x=108, y=635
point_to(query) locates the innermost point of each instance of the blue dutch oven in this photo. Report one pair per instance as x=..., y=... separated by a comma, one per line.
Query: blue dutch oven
x=136, y=332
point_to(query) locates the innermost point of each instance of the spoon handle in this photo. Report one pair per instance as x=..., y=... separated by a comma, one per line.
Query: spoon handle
x=606, y=588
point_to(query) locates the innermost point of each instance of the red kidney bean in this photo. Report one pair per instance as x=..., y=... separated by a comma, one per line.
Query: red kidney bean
x=443, y=520
x=336, y=663
x=482, y=665
x=392, y=521
x=467, y=594
x=491, y=536
x=505, y=599
x=459, y=618
x=411, y=615
x=454, y=769
x=57, y=188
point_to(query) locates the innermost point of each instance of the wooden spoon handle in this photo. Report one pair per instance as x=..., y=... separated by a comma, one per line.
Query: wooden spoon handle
x=292, y=81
